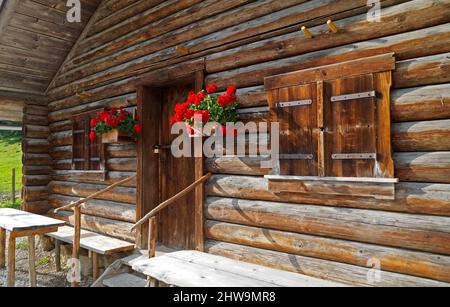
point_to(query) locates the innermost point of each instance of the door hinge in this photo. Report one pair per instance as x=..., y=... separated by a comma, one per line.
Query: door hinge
x=296, y=157
x=294, y=103
x=353, y=96
x=355, y=156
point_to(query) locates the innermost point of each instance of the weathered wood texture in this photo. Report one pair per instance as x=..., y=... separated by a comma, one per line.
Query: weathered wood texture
x=35, y=38
x=37, y=163
x=242, y=42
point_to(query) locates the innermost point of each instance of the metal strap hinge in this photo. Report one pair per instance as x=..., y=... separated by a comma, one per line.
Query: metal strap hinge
x=353, y=96
x=296, y=157
x=355, y=156
x=294, y=103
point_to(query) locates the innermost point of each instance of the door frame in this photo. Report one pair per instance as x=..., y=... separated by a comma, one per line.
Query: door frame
x=148, y=89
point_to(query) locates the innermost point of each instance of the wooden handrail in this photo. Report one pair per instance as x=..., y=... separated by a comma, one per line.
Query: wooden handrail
x=171, y=201
x=97, y=194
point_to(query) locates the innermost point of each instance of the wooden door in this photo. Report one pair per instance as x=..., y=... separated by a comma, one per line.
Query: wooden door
x=176, y=223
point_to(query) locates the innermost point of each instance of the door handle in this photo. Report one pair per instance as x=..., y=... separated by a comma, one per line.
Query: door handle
x=158, y=148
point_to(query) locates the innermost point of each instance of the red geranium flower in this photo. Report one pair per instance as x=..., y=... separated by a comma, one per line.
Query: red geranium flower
x=204, y=115
x=92, y=136
x=94, y=122
x=199, y=98
x=138, y=128
x=212, y=88
x=103, y=115
x=231, y=89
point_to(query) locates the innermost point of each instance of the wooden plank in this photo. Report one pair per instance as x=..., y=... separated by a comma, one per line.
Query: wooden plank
x=92, y=241
x=15, y=221
x=193, y=269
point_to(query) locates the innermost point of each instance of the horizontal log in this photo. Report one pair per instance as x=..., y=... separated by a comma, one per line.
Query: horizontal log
x=35, y=119
x=37, y=207
x=426, y=265
x=423, y=166
x=61, y=138
x=423, y=233
x=34, y=131
x=99, y=208
x=61, y=152
x=199, y=45
x=122, y=164
x=35, y=110
x=31, y=194
x=88, y=177
x=421, y=103
x=61, y=125
x=235, y=165
x=433, y=69
x=419, y=167
x=421, y=136
x=36, y=159
x=120, y=194
x=35, y=180
x=323, y=269
x=405, y=46
x=65, y=112
x=356, y=29
x=421, y=198
x=117, y=229
x=39, y=146
x=121, y=151
x=36, y=170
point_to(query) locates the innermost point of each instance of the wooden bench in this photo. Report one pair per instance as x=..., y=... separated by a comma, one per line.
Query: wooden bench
x=197, y=269
x=95, y=243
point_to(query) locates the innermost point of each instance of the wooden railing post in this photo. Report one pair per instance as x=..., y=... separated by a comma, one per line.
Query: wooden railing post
x=76, y=245
x=152, y=234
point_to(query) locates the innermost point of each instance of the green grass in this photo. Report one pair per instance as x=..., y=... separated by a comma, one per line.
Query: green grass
x=10, y=157
x=44, y=260
x=22, y=245
x=10, y=204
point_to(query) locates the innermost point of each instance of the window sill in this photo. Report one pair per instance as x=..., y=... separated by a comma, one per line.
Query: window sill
x=378, y=188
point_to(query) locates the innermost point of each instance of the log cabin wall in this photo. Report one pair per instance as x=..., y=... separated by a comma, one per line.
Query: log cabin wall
x=37, y=163
x=243, y=41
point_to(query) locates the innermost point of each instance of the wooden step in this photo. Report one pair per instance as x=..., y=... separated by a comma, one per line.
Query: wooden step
x=196, y=269
x=125, y=280
x=94, y=242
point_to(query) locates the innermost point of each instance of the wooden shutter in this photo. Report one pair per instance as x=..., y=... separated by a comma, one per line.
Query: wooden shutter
x=79, y=144
x=295, y=108
x=87, y=155
x=350, y=127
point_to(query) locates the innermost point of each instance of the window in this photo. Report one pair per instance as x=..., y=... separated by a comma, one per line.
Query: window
x=86, y=155
x=335, y=123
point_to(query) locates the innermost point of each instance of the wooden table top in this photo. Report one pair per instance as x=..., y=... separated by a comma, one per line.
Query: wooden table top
x=16, y=220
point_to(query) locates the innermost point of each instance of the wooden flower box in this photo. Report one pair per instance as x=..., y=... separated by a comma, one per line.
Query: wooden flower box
x=116, y=137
